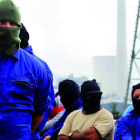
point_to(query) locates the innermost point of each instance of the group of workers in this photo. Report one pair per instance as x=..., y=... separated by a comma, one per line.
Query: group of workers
x=28, y=105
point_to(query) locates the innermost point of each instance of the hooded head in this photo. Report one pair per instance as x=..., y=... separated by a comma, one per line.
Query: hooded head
x=69, y=92
x=91, y=96
x=24, y=36
x=9, y=37
x=136, y=97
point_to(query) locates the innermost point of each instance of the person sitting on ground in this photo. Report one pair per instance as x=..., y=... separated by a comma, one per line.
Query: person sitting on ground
x=69, y=93
x=92, y=122
x=128, y=125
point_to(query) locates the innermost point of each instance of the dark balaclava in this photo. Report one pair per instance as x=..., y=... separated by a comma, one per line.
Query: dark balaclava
x=24, y=36
x=91, y=96
x=9, y=37
x=136, y=103
x=69, y=92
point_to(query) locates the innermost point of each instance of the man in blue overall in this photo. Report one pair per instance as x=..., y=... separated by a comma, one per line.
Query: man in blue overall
x=24, y=36
x=24, y=84
x=128, y=125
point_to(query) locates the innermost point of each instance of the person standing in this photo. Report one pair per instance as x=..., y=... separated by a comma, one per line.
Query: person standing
x=24, y=36
x=24, y=84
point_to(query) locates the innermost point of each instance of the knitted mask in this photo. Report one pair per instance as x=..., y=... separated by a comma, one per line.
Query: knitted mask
x=24, y=36
x=9, y=37
x=69, y=92
x=91, y=96
x=136, y=103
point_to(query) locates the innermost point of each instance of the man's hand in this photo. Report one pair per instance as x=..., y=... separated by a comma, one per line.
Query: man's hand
x=90, y=134
x=63, y=137
x=47, y=138
x=35, y=122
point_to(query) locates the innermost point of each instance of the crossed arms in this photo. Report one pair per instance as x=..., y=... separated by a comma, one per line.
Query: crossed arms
x=90, y=134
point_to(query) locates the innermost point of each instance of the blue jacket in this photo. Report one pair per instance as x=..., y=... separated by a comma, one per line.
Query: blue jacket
x=51, y=96
x=128, y=126
x=24, y=90
x=53, y=132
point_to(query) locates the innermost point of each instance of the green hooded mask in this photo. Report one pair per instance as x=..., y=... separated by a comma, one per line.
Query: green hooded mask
x=9, y=37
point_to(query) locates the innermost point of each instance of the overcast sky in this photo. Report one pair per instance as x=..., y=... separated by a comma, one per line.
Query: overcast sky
x=68, y=33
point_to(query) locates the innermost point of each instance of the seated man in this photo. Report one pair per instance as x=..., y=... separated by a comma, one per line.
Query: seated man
x=128, y=126
x=92, y=122
x=69, y=93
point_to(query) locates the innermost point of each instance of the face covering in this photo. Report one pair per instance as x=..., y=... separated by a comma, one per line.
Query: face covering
x=136, y=105
x=24, y=36
x=91, y=104
x=9, y=40
x=9, y=37
x=69, y=98
x=66, y=101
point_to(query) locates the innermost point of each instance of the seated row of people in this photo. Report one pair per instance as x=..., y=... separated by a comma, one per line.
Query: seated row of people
x=83, y=117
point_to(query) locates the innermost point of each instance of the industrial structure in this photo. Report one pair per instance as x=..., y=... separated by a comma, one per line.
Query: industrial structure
x=134, y=70
x=104, y=70
x=121, y=56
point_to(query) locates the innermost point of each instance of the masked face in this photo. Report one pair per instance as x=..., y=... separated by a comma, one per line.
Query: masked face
x=91, y=103
x=8, y=40
x=136, y=100
x=9, y=33
x=68, y=99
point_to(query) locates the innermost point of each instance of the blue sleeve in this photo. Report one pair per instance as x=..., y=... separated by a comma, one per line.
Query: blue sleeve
x=122, y=131
x=41, y=97
x=51, y=98
x=51, y=94
x=48, y=110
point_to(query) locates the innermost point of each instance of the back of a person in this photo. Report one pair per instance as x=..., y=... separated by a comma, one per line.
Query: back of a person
x=24, y=36
x=83, y=122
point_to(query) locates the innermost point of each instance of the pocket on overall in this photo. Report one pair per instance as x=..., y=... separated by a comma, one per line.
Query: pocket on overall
x=21, y=89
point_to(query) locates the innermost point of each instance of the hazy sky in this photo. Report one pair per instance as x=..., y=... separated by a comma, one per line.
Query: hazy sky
x=68, y=33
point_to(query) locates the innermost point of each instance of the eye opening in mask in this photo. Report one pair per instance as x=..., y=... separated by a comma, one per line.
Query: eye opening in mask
x=136, y=97
x=12, y=24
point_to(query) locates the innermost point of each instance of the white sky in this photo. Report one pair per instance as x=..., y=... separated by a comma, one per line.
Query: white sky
x=68, y=33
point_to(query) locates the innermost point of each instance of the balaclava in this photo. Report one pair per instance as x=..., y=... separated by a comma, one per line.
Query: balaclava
x=91, y=96
x=136, y=103
x=70, y=92
x=9, y=37
x=24, y=36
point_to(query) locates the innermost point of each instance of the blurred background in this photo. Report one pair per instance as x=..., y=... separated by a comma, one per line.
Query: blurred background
x=87, y=39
